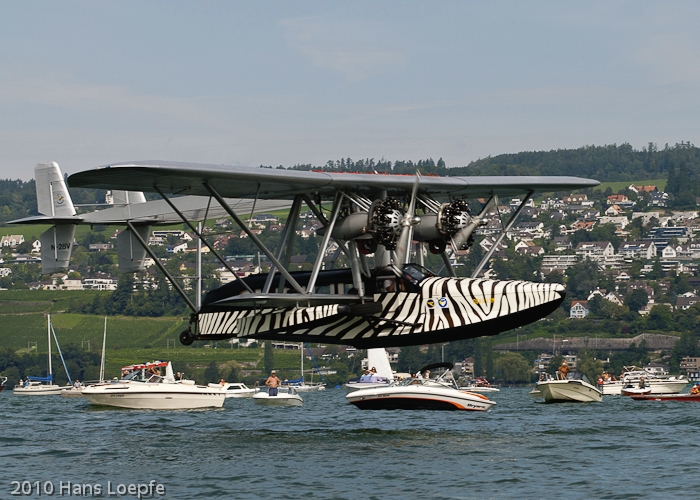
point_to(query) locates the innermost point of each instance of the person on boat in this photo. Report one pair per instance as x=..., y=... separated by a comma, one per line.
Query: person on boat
x=178, y=376
x=695, y=390
x=426, y=376
x=563, y=370
x=273, y=382
x=642, y=383
x=20, y=383
x=366, y=376
x=77, y=384
x=414, y=379
x=222, y=382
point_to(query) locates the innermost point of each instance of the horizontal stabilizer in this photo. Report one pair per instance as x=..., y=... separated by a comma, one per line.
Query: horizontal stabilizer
x=56, y=247
x=131, y=253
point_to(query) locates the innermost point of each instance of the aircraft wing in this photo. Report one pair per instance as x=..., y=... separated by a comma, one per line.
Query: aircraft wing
x=245, y=182
x=194, y=208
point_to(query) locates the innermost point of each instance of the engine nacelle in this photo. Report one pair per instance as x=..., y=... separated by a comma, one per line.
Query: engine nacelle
x=351, y=227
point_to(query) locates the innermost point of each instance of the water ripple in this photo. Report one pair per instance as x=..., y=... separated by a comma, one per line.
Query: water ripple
x=328, y=449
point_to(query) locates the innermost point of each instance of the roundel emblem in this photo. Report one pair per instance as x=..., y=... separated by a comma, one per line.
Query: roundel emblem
x=442, y=301
x=431, y=303
x=60, y=199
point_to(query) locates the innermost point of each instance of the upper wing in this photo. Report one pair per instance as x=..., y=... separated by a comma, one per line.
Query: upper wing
x=245, y=182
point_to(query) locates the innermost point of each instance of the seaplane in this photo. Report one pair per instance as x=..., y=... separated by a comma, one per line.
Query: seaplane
x=380, y=223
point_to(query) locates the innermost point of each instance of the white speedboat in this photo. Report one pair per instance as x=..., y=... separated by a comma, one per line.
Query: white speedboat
x=419, y=394
x=381, y=377
x=575, y=388
x=658, y=384
x=286, y=396
x=635, y=390
x=235, y=390
x=72, y=392
x=143, y=389
x=480, y=384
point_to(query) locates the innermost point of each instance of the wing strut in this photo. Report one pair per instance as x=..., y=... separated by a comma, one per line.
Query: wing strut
x=286, y=242
x=160, y=265
x=324, y=244
x=253, y=237
x=498, y=240
x=201, y=238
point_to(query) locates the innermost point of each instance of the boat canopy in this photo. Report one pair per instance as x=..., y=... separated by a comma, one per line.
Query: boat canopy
x=40, y=379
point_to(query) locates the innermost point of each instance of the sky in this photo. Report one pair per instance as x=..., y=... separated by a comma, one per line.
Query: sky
x=88, y=83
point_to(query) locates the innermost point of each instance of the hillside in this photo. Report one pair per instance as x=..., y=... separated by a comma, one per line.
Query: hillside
x=609, y=163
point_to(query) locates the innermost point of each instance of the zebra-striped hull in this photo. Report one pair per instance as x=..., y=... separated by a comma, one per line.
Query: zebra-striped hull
x=444, y=310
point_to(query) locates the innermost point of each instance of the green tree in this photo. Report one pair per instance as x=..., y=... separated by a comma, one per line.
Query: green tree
x=513, y=368
x=588, y=365
x=637, y=299
x=211, y=373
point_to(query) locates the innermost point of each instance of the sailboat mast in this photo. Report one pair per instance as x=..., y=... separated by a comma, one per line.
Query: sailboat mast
x=48, y=333
x=301, y=348
x=102, y=362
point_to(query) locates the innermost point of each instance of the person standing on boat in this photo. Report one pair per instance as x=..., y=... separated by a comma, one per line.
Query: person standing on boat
x=563, y=370
x=273, y=382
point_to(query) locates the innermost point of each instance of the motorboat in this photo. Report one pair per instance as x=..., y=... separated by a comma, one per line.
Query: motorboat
x=76, y=391
x=635, y=390
x=41, y=386
x=659, y=384
x=144, y=388
x=574, y=388
x=695, y=398
x=421, y=394
x=286, y=396
x=382, y=376
x=3, y=381
x=479, y=384
x=235, y=390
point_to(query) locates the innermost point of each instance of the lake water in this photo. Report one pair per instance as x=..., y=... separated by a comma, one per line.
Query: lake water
x=329, y=449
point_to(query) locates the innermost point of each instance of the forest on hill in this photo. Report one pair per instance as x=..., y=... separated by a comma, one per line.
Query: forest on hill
x=679, y=163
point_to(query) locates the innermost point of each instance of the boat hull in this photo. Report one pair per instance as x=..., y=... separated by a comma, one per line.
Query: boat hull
x=280, y=400
x=562, y=391
x=480, y=389
x=358, y=386
x=72, y=393
x=154, y=399
x=667, y=397
x=657, y=387
x=46, y=390
x=418, y=398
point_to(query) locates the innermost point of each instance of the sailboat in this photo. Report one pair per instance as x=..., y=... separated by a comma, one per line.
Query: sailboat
x=379, y=359
x=76, y=391
x=299, y=385
x=40, y=386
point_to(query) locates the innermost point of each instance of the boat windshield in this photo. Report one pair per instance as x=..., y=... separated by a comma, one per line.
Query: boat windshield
x=143, y=376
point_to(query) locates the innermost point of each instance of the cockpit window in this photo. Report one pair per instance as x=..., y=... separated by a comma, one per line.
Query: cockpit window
x=415, y=273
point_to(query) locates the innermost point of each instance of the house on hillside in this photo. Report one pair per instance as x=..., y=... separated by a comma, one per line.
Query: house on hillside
x=579, y=309
x=645, y=249
x=595, y=250
x=12, y=240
